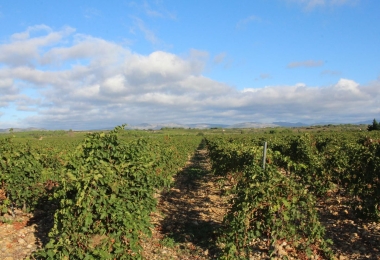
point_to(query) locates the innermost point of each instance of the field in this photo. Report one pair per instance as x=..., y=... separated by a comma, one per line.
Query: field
x=191, y=194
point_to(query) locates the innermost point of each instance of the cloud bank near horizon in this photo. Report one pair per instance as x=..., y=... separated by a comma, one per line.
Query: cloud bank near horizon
x=60, y=79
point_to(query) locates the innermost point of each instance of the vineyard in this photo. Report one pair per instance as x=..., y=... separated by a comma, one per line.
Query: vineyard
x=100, y=193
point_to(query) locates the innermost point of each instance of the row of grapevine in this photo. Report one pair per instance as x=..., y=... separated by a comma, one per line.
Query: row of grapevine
x=28, y=173
x=322, y=162
x=279, y=202
x=327, y=163
x=266, y=204
x=103, y=190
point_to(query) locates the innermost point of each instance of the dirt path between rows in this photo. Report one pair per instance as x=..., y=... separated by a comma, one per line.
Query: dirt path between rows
x=189, y=214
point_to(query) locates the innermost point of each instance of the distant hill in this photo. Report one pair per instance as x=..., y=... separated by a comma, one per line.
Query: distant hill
x=252, y=125
x=287, y=124
x=367, y=122
x=16, y=130
x=206, y=126
x=158, y=126
x=146, y=126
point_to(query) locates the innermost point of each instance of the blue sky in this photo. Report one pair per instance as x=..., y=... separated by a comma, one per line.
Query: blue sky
x=93, y=64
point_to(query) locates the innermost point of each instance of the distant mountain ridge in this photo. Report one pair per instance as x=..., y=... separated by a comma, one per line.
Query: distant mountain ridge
x=146, y=126
x=287, y=124
x=158, y=126
x=252, y=125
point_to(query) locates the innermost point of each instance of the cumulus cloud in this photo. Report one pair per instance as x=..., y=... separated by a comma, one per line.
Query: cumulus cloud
x=323, y=103
x=8, y=91
x=24, y=49
x=92, y=83
x=306, y=64
x=5, y=84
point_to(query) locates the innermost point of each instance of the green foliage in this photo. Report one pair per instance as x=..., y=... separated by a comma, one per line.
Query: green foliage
x=105, y=201
x=104, y=188
x=228, y=155
x=105, y=185
x=302, y=157
x=106, y=196
x=168, y=242
x=21, y=170
x=269, y=205
x=322, y=162
x=358, y=168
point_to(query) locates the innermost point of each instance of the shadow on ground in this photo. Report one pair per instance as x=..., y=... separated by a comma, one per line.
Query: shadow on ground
x=193, y=208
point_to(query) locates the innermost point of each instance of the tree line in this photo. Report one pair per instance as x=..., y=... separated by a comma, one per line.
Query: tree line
x=375, y=126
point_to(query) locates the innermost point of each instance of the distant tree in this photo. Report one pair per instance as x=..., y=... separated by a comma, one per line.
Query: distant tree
x=272, y=131
x=375, y=126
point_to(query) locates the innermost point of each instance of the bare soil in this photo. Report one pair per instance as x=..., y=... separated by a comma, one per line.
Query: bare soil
x=353, y=237
x=189, y=214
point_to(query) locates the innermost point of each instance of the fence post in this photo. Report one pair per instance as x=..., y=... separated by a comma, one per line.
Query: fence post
x=264, y=154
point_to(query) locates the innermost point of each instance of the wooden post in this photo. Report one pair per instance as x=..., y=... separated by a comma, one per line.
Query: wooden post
x=264, y=154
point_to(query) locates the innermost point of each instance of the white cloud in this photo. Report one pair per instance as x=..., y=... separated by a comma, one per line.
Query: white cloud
x=348, y=89
x=8, y=91
x=85, y=47
x=24, y=49
x=344, y=99
x=5, y=83
x=26, y=34
x=93, y=83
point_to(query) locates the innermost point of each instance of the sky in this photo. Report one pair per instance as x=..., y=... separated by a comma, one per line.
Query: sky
x=95, y=64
